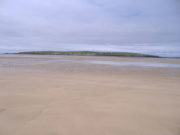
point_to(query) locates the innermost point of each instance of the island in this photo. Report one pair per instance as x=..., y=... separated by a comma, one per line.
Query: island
x=89, y=53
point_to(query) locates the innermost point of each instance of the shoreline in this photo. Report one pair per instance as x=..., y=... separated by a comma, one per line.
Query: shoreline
x=83, y=63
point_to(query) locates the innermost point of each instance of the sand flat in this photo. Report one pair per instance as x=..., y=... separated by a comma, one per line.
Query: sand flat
x=61, y=95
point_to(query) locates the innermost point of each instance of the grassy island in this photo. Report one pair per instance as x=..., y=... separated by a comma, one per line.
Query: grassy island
x=89, y=53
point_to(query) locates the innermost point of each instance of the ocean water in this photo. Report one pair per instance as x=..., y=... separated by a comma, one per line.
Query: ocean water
x=134, y=63
x=34, y=60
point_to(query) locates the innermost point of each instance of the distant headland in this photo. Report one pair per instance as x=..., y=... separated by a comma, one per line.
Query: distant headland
x=89, y=53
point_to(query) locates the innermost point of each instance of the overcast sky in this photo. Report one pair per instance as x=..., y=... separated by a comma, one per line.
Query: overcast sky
x=87, y=24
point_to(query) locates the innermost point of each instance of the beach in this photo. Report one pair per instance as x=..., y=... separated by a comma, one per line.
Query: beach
x=89, y=95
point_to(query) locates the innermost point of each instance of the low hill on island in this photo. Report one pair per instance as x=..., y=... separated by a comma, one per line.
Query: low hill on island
x=89, y=53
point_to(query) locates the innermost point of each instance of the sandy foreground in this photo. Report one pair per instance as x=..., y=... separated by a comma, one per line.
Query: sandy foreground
x=60, y=95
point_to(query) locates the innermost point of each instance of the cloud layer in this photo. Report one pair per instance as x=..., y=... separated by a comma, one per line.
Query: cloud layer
x=59, y=24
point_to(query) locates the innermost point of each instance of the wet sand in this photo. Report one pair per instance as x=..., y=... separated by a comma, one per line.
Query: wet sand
x=65, y=95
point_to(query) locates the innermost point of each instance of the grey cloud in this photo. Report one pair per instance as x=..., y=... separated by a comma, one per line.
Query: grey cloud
x=40, y=24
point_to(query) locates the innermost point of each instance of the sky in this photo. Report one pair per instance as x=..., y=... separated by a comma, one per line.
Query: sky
x=104, y=25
